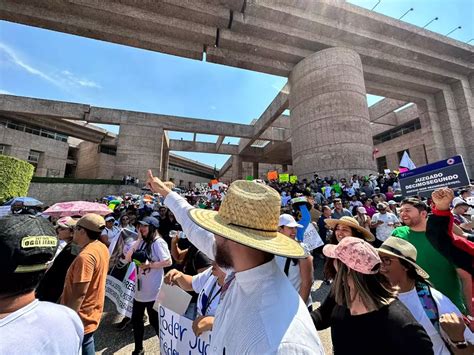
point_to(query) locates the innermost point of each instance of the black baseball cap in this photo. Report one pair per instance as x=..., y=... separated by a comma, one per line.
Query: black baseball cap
x=27, y=243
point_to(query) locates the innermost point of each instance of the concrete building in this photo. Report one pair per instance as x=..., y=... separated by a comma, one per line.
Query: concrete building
x=56, y=150
x=333, y=54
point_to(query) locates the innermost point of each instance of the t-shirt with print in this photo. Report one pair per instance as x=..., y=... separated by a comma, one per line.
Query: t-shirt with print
x=150, y=280
x=443, y=274
x=41, y=328
x=205, y=284
x=91, y=266
x=412, y=301
x=383, y=231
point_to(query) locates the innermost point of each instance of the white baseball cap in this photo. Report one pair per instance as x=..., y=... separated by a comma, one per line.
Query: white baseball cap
x=288, y=220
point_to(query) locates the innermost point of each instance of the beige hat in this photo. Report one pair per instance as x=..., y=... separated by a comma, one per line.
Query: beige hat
x=249, y=215
x=402, y=249
x=92, y=222
x=350, y=222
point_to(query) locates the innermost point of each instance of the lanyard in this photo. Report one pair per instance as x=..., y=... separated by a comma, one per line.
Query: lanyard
x=210, y=298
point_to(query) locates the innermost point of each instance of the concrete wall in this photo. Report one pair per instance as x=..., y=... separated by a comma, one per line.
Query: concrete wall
x=91, y=164
x=52, y=193
x=412, y=141
x=54, y=153
x=177, y=176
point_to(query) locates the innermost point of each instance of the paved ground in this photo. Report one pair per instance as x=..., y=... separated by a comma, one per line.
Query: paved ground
x=109, y=340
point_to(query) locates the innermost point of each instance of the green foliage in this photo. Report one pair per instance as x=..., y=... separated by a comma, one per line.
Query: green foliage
x=52, y=180
x=15, y=177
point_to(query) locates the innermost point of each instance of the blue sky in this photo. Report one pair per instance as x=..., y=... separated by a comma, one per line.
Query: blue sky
x=52, y=65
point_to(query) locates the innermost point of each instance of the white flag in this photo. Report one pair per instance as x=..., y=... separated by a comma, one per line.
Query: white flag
x=406, y=162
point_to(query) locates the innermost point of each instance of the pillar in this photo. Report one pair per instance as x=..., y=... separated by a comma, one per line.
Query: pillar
x=139, y=148
x=255, y=170
x=330, y=124
x=165, y=157
x=236, y=168
x=284, y=168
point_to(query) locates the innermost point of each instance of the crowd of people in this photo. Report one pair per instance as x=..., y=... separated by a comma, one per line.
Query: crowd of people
x=399, y=269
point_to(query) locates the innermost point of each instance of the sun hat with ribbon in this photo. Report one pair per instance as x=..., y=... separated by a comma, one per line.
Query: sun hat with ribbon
x=402, y=249
x=249, y=215
x=350, y=222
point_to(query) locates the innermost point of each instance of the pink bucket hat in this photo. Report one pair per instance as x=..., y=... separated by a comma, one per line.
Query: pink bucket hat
x=356, y=253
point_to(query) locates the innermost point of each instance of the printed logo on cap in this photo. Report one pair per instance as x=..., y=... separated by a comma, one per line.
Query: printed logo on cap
x=41, y=241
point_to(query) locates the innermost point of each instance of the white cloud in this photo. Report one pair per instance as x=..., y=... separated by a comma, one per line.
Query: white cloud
x=14, y=58
x=77, y=81
x=6, y=92
x=65, y=79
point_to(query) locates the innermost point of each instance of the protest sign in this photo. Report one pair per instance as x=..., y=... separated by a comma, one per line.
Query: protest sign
x=177, y=336
x=311, y=238
x=172, y=297
x=293, y=179
x=120, y=288
x=284, y=177
x=272, y=175
x=424, y=180
x=249, y=178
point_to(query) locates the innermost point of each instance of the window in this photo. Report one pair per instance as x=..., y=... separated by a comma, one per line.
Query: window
x=33, y=130
x=382, y=164
x=34, y=156
x=108, y=150
x=4, y=149
x=397, y=132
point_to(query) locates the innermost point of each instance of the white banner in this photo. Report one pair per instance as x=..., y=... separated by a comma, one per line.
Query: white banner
x=177, y=336
x=311, y=238
x=121, y=290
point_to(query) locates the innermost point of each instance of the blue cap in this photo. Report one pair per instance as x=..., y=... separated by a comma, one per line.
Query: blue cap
x=150, y=220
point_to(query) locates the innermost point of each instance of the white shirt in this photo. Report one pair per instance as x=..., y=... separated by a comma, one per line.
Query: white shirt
x=205, y=284
x=294, y=275
x=152, y=279
x=112, y=236
x=41, y=328
x=383, y=231
x=411, y=300
x=250, y=318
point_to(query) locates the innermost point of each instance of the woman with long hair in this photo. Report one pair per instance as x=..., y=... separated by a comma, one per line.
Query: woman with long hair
x=151, y=254
x=363, y=311
x=342, y=228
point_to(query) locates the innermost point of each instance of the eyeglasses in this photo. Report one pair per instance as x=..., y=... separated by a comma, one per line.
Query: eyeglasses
x=386, y=260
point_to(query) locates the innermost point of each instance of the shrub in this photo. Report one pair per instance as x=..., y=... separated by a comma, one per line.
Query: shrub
x=15, y=177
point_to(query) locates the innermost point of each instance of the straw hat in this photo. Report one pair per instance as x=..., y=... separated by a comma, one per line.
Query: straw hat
x=402, y=249
x=249, y=215
x=350, y=222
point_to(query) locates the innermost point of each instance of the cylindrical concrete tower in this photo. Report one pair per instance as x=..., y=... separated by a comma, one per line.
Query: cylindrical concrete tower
x=330, y=126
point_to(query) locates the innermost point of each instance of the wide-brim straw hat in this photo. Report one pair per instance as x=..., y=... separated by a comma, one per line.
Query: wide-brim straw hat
x=402, y=249
x=249, y=215
x=350, y=222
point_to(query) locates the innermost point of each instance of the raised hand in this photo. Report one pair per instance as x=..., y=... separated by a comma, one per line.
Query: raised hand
x=442, y=198
x=156, y=185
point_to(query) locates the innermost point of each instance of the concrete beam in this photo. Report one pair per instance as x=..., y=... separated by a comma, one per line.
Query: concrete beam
x=271, y=113
x=202, y=147
x=384, y=107
x=220, y=139
x=72, y=111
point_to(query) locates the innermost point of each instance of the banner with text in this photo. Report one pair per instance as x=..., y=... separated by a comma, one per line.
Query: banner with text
x=120, y=288
x=272, y=175
x=293, y=179
x=177, y=336
x=424, y=180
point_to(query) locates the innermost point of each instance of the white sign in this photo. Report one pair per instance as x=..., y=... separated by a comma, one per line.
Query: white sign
x=173, y=298
x=311, y=238
x=177, y=336
x=121, y=292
